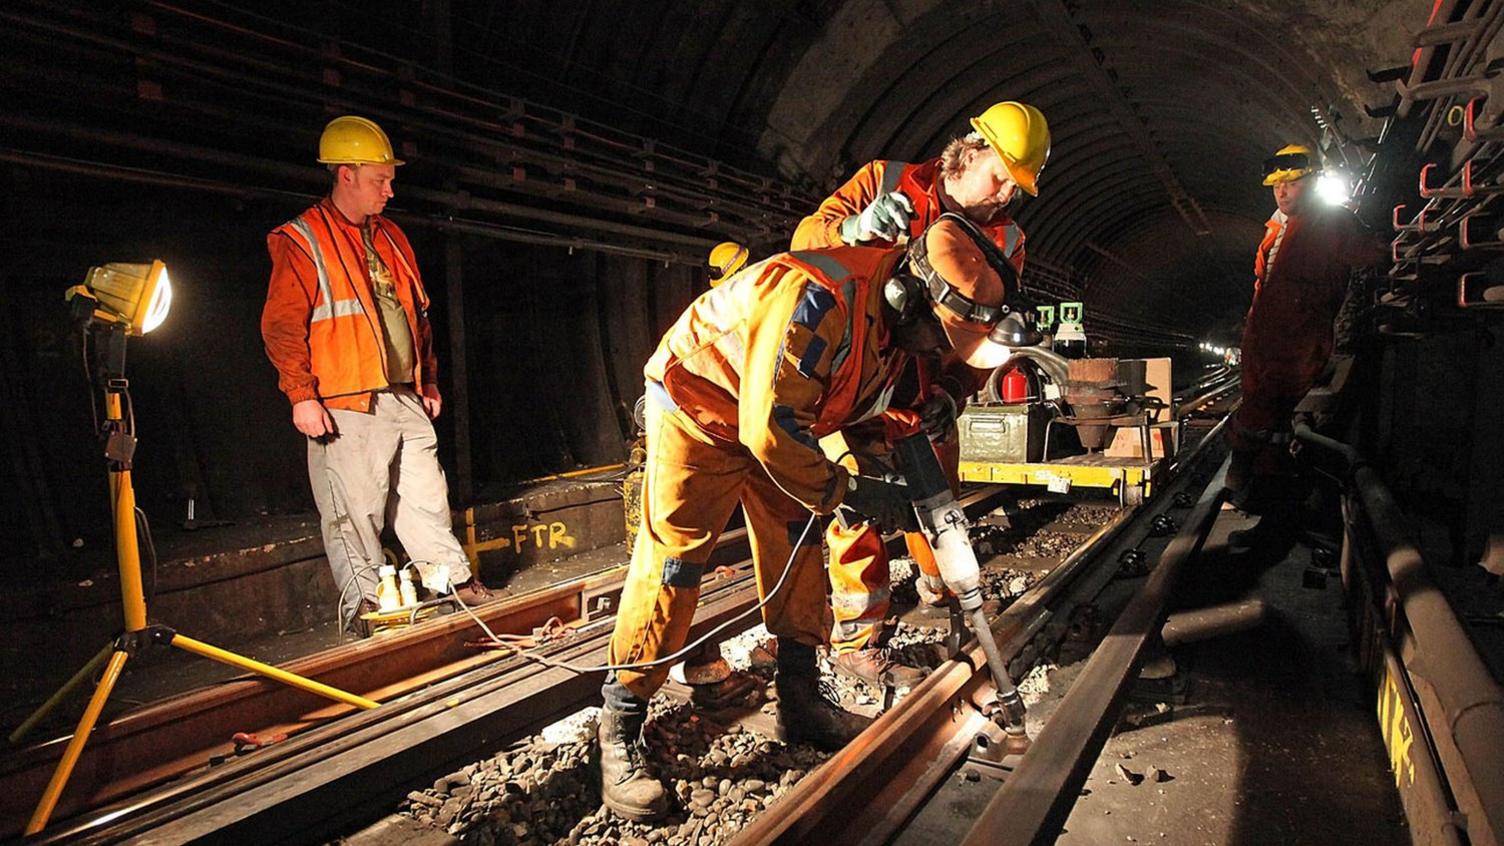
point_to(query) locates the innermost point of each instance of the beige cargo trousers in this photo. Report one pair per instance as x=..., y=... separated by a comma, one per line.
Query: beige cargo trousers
x=383, y=466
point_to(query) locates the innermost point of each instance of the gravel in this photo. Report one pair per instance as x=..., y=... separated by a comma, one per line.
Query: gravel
x=544, y=790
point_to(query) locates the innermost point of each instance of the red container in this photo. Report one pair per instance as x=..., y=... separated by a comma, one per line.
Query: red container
x=1014, y=386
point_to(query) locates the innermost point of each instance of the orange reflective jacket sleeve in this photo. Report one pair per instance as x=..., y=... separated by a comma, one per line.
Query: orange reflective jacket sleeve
x=791, y=342
x=290, y=297
x=823, y=228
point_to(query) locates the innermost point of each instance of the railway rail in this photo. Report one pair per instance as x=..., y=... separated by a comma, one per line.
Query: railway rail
x=444, y=705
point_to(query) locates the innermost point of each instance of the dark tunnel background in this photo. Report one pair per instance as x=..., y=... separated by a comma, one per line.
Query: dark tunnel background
x=569, y=165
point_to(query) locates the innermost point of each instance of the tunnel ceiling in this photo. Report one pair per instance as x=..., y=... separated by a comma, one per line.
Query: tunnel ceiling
x=1161, y=110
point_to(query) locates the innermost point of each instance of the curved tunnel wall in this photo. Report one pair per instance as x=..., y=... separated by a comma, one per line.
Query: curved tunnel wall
x=795, y=93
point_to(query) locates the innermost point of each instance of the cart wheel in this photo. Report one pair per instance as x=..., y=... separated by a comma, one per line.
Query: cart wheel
x=1132, y=495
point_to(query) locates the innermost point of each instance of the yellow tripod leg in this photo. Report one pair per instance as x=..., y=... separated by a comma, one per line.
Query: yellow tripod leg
x=75, y=748
x=214, y=653
x=62, y=693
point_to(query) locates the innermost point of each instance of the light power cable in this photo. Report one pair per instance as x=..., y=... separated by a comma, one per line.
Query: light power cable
x=674, y=657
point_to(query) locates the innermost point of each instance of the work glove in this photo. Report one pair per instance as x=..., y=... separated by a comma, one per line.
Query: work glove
x=938, y=416
x=884, y=219
x=884, y=503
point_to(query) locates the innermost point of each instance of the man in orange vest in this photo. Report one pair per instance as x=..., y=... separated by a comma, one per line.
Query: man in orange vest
x=977, y=175
x=346, y=325
x=739, y=391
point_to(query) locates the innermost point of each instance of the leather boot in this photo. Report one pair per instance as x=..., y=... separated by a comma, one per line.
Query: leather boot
x=626, y=786
x=804, y=714
x=873, y=666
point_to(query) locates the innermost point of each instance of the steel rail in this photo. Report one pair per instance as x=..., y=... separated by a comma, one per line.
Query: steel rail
x=333, y=782
x=370, y=758
x=915, y=744
x=898, y=762
x=1034, y=802
x=150, y=745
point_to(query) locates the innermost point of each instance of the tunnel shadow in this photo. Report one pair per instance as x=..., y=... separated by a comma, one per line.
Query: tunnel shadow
x=1310, y=764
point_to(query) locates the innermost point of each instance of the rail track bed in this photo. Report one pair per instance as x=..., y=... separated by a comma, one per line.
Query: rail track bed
x=493, y=748
x=735, y=784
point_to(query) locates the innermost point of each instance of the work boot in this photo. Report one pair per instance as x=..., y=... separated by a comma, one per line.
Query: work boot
x=1273, y=530
x=805, y=715
x=626, y=785
x=357, y=626
x=473, y=592
x=873, y=666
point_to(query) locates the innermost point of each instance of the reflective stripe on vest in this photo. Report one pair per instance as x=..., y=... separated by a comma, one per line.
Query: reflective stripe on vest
x=851, y=287
x=328, y=307
x=833, y=270
x=892, y=173
x=1011, y=235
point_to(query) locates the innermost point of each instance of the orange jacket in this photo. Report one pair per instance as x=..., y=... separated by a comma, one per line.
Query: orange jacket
x=788, y=350
x=322, y=324
x=918, y=182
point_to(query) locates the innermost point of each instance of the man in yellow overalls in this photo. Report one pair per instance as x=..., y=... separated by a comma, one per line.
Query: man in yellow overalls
x=977, y=176
x=740, y=390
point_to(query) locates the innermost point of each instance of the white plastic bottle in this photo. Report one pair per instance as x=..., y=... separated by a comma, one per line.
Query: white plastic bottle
x=388, y=595
x=406, y=589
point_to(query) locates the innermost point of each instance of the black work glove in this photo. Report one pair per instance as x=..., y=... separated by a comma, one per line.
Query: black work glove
x=884, y=503
x=938, y=416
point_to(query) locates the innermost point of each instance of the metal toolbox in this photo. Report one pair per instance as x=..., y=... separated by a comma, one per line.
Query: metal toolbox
x=1003, y=433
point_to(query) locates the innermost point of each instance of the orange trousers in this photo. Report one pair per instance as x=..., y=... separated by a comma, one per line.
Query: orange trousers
x=860, y=580
x=691, y=485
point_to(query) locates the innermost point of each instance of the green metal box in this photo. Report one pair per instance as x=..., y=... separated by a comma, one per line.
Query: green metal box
x=1003, y=433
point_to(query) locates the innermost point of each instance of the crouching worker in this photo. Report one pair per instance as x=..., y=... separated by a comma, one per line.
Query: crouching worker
x=740, y=391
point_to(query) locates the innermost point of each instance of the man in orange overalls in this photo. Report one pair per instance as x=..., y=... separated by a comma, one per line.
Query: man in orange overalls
x=739, y=391
x=1301, y=273
x=977, y=175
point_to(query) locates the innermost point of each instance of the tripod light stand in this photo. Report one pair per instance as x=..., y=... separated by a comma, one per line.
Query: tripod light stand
x=116, y=301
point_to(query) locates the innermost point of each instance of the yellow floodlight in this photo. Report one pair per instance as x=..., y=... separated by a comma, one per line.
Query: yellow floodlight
x=116, y=301
x=135, y=296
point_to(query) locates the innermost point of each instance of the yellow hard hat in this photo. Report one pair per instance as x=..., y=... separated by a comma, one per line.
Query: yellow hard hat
x=725, y=259
x=1292, y=162
x=354, y=140
x=1021, y=137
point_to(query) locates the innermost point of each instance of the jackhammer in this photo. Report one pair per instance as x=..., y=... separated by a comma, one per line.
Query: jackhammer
x=945, y=526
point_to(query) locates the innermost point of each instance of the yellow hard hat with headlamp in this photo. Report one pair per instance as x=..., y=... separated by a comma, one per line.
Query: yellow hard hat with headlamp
x=725, y=259
x=1292, y=162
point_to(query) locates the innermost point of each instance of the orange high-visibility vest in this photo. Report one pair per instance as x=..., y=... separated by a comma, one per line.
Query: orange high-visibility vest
x=347, y=351
x=1261, y=258
x=699, y=360
x=785, y=352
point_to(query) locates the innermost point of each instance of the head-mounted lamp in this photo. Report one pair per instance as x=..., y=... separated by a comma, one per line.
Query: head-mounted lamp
x=1286, y=161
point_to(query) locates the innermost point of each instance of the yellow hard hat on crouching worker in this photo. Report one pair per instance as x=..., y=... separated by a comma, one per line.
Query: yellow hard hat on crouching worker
x=725, y=259
x=1021, y=137
x=1292, y=162
x=354, y=140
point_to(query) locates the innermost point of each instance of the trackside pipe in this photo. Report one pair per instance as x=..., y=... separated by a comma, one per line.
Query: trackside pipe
x=1444, y=657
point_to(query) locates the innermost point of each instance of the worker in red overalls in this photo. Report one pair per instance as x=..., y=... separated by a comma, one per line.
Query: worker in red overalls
x=1301, y=271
